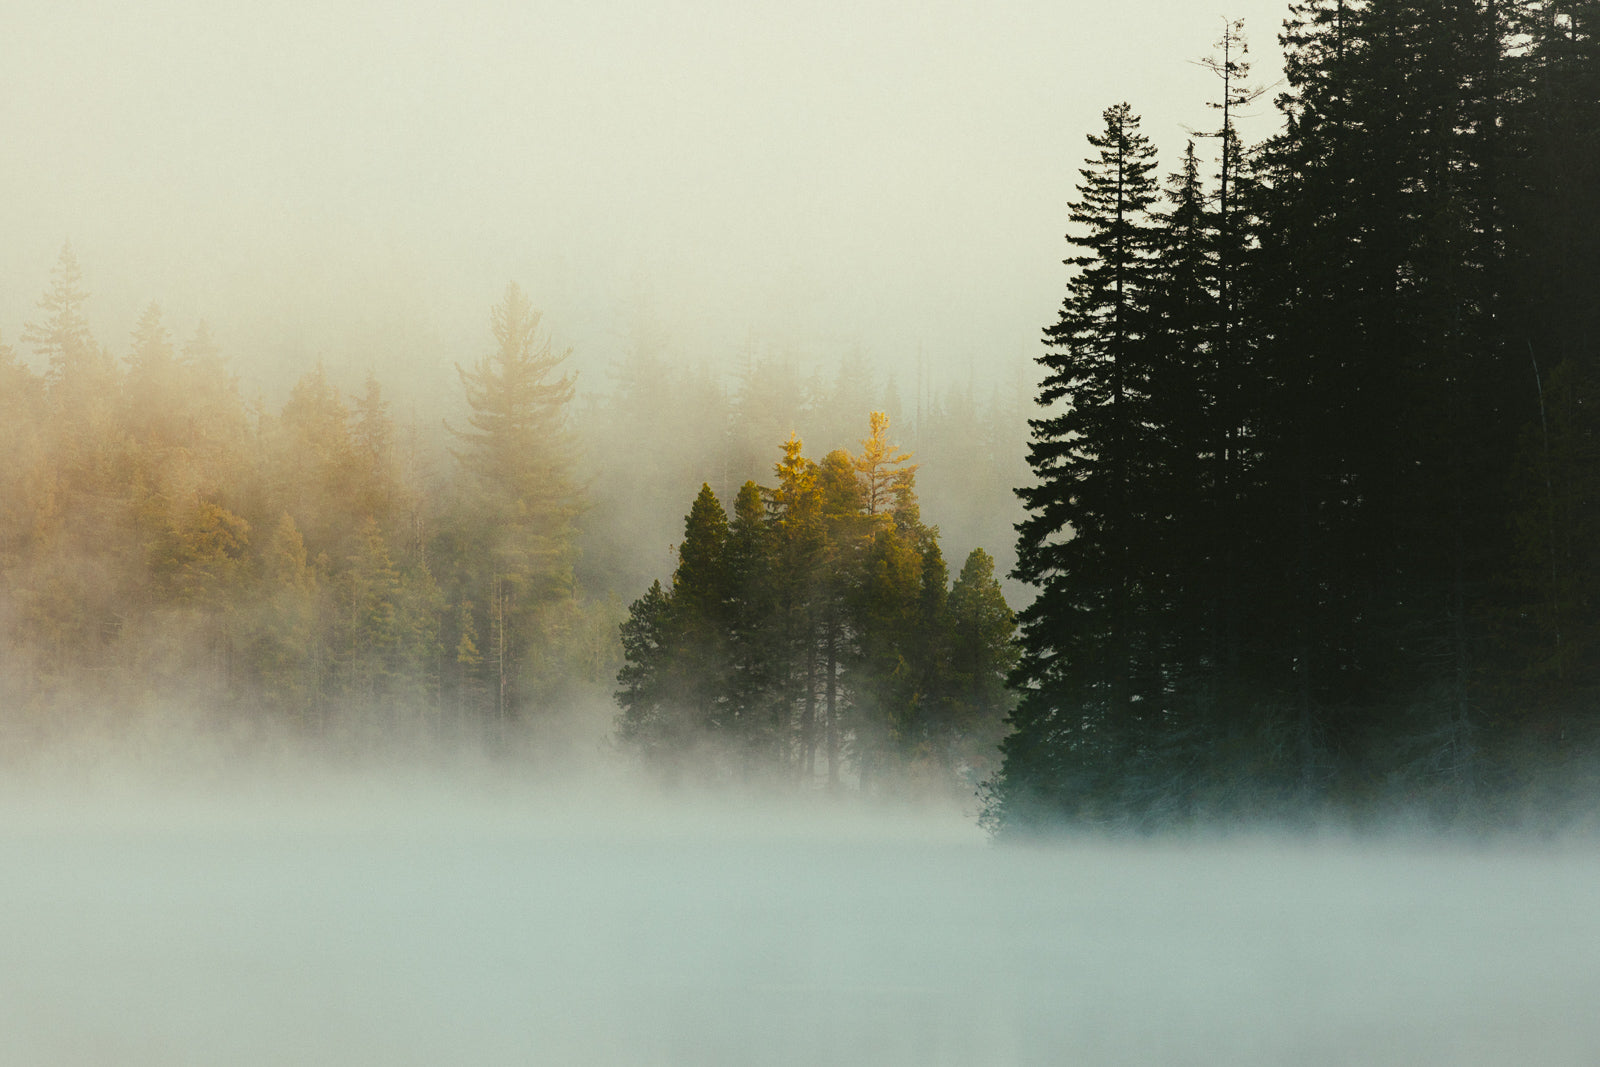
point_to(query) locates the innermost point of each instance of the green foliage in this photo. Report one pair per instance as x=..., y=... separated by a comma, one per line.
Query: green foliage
x=1284, y=423
x=811, y=634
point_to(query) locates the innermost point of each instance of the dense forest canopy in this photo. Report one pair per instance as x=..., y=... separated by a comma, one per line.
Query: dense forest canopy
x=1315, y=481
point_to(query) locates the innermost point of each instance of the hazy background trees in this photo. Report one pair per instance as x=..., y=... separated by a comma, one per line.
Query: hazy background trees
x=328, y=564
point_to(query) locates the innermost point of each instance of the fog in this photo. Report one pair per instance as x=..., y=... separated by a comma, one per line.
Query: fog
x=709, y=182
x=269, y=790
x=359, y=183
x=422, y=917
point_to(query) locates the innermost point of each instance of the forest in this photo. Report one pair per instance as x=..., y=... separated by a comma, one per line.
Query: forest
x=334, y=572
x=1301, y=520
x=819, y=624
x=1314, y=514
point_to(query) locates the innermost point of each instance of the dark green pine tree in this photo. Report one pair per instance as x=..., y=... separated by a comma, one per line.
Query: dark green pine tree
x=1386, y=438
x=678, y=680
x=645, y=694
x=1553, y=212
x=980, y=651
x=1085, y=674
x=1307, y=271
x=700, y=603
x=755, y=664
x=844, y=532
x=1190, y=565
x=1552, y=230
x=1228, y=378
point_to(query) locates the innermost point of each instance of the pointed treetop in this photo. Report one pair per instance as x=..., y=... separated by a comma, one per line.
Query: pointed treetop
x=202, y=347
x=152, y=342
x=518, y=400
x=62, y=336
x=887, y=475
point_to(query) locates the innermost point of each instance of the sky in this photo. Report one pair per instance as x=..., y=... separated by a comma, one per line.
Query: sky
x=359, y=182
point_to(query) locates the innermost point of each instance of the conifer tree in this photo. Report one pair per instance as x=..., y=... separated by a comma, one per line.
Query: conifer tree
x=812, y=628
x=1080, y=675
x=981, y=654
x=755, y=661
x=886, y=472
x=61, y=336
x=645, y=695
x=152, y=387
x=700, y=612
x=512, y=543
x=282, y=630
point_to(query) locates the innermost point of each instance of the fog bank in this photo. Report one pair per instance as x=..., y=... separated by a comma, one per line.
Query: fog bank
x=363, y=918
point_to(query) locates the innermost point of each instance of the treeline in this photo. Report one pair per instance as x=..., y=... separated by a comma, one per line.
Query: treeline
x=1316, y=484
x=815, y=633
x=666, y=421
x=162, y=540
x=328, y=565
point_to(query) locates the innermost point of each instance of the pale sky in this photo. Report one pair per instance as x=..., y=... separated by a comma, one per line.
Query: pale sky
x=360, y=181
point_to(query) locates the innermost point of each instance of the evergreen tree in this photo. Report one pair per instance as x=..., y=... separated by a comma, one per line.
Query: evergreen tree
x=755, y=662
x=645, y=695
x=981, y=654
x=844, y=525
x=151, y=396
x=1083, y=674
x=700, y=599
x=813, y=628
x=512, y=543
x=62, y=335
x=281, y=634
x=886, y=472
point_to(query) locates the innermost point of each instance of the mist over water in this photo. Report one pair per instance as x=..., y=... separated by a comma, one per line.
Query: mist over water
x=312, y=748
x=269, y=913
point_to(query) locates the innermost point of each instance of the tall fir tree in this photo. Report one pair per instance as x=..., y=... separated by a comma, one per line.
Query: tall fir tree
x=1084, y=673
x=513, y=539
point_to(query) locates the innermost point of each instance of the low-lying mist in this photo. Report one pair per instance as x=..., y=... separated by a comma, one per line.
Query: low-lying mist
x=190, y=903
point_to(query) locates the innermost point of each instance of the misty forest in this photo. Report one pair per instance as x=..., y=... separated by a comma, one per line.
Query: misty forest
x=1300, y=515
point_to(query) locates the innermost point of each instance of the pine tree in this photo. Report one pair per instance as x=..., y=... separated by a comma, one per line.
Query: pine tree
x=981, y=654
x=1083, y=674
x=281, y=632
x=62, y=336
x=846, y=520
x=797, y=543
x=316, y=471
x=151, y=394
x=700, y=599
x=1394, y=410
x=755, y=662
x=645, y=695
x=22, y=439
x=370, y=638
x=809, y=629
x=512, y=545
